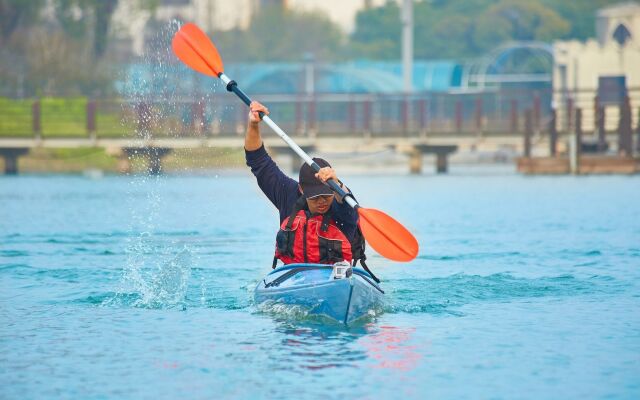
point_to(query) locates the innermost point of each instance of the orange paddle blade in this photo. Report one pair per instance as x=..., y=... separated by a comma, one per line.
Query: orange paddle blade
x=387, y=236
x=194, y=48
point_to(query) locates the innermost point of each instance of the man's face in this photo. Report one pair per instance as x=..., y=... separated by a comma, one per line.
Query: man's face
x=320, y=204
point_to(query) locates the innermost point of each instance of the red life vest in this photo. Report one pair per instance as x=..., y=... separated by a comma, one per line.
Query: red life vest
x=304, y=238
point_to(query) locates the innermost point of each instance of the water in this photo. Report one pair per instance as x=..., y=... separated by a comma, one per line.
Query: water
x=126, y=287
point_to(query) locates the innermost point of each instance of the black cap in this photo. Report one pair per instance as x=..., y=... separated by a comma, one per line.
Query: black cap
x=312, y=186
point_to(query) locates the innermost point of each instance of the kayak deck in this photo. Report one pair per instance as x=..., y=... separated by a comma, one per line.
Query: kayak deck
x=313, y=287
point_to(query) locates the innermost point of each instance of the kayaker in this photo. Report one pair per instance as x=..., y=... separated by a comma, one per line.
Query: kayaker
x=316, y=226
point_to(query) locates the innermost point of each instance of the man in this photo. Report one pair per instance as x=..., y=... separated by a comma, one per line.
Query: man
x=316, y=226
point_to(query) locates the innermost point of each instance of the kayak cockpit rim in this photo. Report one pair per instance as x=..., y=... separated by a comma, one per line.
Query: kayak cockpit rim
x=296, y=268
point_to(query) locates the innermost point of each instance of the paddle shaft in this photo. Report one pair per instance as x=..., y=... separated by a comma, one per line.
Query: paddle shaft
x=232, y=86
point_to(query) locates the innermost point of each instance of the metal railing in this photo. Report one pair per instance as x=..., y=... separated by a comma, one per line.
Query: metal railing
x=426, y=114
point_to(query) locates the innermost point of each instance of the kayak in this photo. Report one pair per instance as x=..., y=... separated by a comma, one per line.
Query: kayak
x=340, y=292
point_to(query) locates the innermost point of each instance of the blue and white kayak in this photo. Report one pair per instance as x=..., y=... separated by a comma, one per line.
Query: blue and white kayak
x=339, y=291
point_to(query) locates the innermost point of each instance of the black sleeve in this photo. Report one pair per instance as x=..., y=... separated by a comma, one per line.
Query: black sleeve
x=281, y=190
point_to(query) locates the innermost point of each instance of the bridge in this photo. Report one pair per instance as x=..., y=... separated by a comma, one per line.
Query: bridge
x=155, y=149
x=427, y=123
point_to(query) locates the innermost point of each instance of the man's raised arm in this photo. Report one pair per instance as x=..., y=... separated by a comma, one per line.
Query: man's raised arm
x=253, y=140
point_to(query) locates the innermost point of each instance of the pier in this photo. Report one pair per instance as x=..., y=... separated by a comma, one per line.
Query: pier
x=153, y=150
x=585, y=151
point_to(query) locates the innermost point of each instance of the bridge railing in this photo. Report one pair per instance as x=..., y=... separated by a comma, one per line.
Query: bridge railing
x=426, y=114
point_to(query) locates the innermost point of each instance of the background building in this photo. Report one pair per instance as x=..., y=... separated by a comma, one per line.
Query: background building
x=607, y=67
x=130, y=22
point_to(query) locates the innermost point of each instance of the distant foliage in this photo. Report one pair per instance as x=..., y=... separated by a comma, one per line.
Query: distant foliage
x=466, y=29
x=17, y=13
x=377, y=33
x=62, y=46
x=521, y=20
x=56, y=46
x=282, y=35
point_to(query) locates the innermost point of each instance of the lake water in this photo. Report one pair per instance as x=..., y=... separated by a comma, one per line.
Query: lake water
x=140, y=287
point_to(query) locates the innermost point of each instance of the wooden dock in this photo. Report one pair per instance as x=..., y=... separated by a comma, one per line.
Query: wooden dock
x=590, y=164
x=581, y=157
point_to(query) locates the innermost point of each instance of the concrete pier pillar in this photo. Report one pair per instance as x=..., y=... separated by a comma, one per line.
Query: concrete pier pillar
x=155, y=159
x=415, y=161
x=10, y=156
x=416, y=154
x=442, y=165
x=124, y=163
x=153, y=154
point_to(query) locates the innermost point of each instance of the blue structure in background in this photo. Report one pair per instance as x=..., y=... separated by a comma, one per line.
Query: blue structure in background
x=497, y=87
x=375, y=77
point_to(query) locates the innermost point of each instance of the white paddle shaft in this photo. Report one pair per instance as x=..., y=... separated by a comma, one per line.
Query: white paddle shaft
x=334, y=185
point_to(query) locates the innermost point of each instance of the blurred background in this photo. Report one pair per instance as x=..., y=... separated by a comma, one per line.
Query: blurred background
x=543, y=86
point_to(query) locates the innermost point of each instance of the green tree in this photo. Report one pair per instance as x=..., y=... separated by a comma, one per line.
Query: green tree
x=463, y=29
x=16, y=13
x=275, y=34
x=87, y=19
x=377, y=33
x=60, y=55
x=518, y=20
x=448, y=37
x=581, y=15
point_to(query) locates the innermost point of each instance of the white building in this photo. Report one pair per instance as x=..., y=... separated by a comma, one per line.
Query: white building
x=582, y=68
x=341, y=12
x=129, y=20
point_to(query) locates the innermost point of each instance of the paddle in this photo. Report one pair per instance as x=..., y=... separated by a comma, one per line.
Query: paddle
x=386, y=235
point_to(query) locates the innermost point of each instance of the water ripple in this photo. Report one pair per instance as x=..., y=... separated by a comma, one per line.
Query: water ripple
x=439, y=295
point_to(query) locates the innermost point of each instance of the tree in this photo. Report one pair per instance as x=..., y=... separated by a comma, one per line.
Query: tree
x=377, y=33
x=58, y=54
x=458, y=29
x=518, y=20
x=16, y=13
x=581, y=15
x=277, y=34
x=448, y=37
x=87, y=18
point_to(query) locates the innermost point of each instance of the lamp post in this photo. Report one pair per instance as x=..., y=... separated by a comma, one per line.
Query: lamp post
x=309, y=78
x=407, y=45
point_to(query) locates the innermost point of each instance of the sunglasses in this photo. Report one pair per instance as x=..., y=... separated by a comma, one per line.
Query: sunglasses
x=325, y=197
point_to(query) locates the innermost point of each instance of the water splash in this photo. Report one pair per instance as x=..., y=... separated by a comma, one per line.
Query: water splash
x=302, y=314
x=162, y=286
x=288, y=311
x=157, y=271
x=164, y=98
